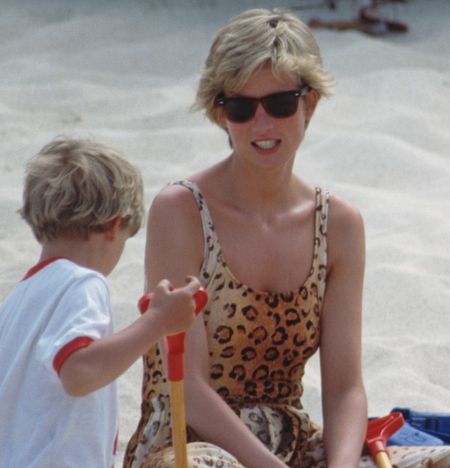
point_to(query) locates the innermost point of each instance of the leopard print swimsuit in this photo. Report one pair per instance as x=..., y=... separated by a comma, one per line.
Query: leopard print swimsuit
x=259, y=343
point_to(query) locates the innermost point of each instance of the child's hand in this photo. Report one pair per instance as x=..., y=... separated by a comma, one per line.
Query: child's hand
x=174, y=309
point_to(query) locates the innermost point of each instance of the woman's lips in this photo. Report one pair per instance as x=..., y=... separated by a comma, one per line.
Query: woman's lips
x=266, y=144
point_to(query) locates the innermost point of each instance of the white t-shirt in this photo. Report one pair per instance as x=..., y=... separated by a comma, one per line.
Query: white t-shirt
x=56, y=309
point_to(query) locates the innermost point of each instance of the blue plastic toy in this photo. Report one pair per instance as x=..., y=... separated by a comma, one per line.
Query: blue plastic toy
x=410, y=436
x=435, y=424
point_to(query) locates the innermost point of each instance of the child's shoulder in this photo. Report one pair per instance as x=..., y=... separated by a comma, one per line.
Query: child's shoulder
x=78, y=273
x=63, y=272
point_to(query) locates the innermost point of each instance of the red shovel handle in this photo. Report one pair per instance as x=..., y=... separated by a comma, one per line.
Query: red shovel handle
x=175, y=343
x=379, y=431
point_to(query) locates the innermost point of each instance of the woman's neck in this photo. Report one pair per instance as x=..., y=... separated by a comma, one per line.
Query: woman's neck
x=261, y=190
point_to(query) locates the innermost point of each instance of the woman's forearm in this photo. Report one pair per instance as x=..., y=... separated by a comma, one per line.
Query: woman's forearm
x=345, y=425
x=217, y=423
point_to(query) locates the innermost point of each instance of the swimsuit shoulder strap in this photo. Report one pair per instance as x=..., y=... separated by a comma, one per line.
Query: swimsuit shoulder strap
x=211, y=242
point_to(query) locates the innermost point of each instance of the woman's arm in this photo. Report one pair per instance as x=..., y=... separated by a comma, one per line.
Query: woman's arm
x=343, y=395
x=175, y=249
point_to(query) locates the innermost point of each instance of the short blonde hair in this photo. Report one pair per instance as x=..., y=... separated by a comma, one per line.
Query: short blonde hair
x=250, y=41
x=75, y=187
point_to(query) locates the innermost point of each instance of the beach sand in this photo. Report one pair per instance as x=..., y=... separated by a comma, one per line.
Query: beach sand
x=125, y=73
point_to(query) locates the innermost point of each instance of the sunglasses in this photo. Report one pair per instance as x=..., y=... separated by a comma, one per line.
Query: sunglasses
x=279, y=105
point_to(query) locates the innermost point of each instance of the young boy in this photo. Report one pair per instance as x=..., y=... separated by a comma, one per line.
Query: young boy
x=59, y=356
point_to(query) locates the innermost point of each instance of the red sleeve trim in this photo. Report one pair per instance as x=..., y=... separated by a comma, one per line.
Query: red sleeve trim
x=68, y=349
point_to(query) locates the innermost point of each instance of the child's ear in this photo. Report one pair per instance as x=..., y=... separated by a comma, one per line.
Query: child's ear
x=112, y=228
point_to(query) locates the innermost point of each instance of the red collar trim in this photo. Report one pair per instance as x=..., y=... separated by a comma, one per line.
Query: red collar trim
x=39, y=266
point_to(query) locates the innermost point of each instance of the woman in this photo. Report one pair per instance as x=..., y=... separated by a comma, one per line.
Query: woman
x=282, y=262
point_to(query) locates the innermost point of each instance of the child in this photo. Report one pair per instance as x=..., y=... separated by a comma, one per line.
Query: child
x=59, y=357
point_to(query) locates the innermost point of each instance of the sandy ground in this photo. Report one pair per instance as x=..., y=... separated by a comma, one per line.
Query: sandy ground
x=125, y=74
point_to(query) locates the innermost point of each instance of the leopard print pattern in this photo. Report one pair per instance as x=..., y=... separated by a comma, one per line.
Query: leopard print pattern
x=259, y=343
x=199, y=455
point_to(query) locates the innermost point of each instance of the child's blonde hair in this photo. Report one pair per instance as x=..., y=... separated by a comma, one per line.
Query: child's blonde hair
x=75, y=187
x=250, y=41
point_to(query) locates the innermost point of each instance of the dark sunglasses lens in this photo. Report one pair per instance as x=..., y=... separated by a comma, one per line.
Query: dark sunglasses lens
x=240, y=109
x=281, y=105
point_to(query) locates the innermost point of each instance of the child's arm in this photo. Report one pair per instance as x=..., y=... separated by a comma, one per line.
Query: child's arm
x=104, y=360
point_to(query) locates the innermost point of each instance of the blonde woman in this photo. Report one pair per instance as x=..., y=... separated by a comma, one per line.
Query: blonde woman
x=281, y=259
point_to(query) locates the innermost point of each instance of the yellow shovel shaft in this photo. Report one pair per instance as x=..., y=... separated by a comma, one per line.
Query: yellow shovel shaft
x=178, y=423
x=382, y=460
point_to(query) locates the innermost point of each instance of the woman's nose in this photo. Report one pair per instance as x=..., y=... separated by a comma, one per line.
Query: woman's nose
x=262, y=118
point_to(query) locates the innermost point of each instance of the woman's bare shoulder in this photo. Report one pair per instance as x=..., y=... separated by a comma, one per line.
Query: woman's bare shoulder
x=172, y=195
x=343, y=213
x=174, y=210
x=174, y=200
x=345, y=230
x=178, y=198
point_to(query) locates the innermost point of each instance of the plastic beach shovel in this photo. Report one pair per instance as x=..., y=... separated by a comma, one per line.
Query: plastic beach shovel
x=378, y=432
x=175, y=374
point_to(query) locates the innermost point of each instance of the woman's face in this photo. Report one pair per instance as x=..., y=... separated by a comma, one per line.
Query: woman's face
x=266, y=140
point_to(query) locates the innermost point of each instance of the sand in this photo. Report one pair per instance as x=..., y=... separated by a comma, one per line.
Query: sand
x=125, y=74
